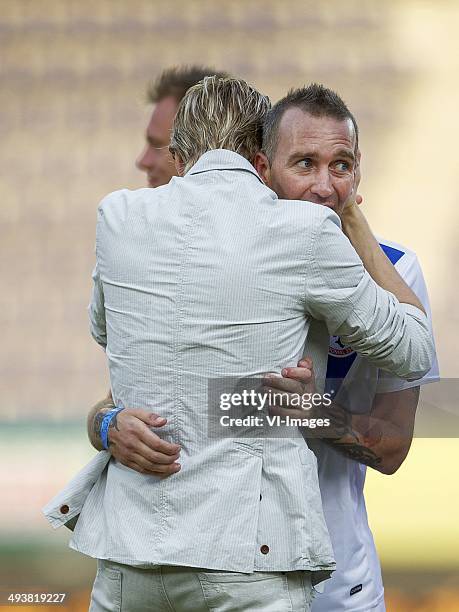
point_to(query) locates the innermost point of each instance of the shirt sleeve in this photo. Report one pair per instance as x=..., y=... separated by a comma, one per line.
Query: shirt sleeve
x=392, y=336
x=96, y=310
x=413, y=277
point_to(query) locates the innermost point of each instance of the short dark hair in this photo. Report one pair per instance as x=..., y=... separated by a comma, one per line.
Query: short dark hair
x=315, y=99
x=177, y=80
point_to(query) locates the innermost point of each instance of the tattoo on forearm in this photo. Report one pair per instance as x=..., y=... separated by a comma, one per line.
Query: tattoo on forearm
x=356, y=451
x=340, y=421
x=97, y=422
x=345, y=439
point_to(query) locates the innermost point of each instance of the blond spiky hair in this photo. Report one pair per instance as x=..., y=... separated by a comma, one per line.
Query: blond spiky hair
x=219, y=113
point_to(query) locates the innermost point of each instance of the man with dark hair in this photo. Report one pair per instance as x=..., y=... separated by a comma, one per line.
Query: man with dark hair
x=318, y=117
x=310, y=149
x=165, y=94
x=317, y=101
x=177, y=80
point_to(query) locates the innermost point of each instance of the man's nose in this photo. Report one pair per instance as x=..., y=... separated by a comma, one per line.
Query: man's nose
x=322, y=185
x=145, y=160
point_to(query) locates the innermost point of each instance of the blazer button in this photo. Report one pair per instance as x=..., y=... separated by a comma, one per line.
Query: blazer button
x=264, y=549
x=64, y=509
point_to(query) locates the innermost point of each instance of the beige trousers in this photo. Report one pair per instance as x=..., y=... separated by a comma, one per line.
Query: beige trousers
x=123, y=588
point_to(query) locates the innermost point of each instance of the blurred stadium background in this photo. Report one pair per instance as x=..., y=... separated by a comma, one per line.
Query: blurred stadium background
x=72, y=116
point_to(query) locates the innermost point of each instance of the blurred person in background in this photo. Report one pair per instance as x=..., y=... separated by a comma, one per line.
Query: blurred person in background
x=165, y=94
x=128, y=434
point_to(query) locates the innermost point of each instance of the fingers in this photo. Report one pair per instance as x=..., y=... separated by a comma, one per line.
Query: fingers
x=150, y=439
x=134, y=425
x=276, y=383
x=149, y=418
x=304, y=376
x=133, y=453
x=139, y=464
x=295, y=383
x=135, y=445
x=301, y=374
x=293, y=413
x=279, y=398
x=155, y=468
x=305, y=362
x=152, y=456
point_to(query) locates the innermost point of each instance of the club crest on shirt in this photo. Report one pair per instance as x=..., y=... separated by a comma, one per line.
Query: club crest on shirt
x=338, y=349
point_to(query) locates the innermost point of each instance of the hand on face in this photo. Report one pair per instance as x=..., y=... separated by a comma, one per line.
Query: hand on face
x=355, y=199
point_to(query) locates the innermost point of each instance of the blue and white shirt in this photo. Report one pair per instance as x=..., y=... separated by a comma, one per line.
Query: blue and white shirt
x=356, y=585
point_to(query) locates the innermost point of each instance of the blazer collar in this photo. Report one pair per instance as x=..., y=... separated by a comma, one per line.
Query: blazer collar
x=222, y=159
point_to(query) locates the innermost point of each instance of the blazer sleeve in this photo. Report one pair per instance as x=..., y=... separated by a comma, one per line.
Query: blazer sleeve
x=338, y=290
x=96, y=309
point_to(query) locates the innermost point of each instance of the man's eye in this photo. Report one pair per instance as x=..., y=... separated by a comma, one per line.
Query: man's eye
x=305, y=163
x=342, y=166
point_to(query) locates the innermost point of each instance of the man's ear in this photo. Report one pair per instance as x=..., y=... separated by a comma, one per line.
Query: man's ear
x=263, y=167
